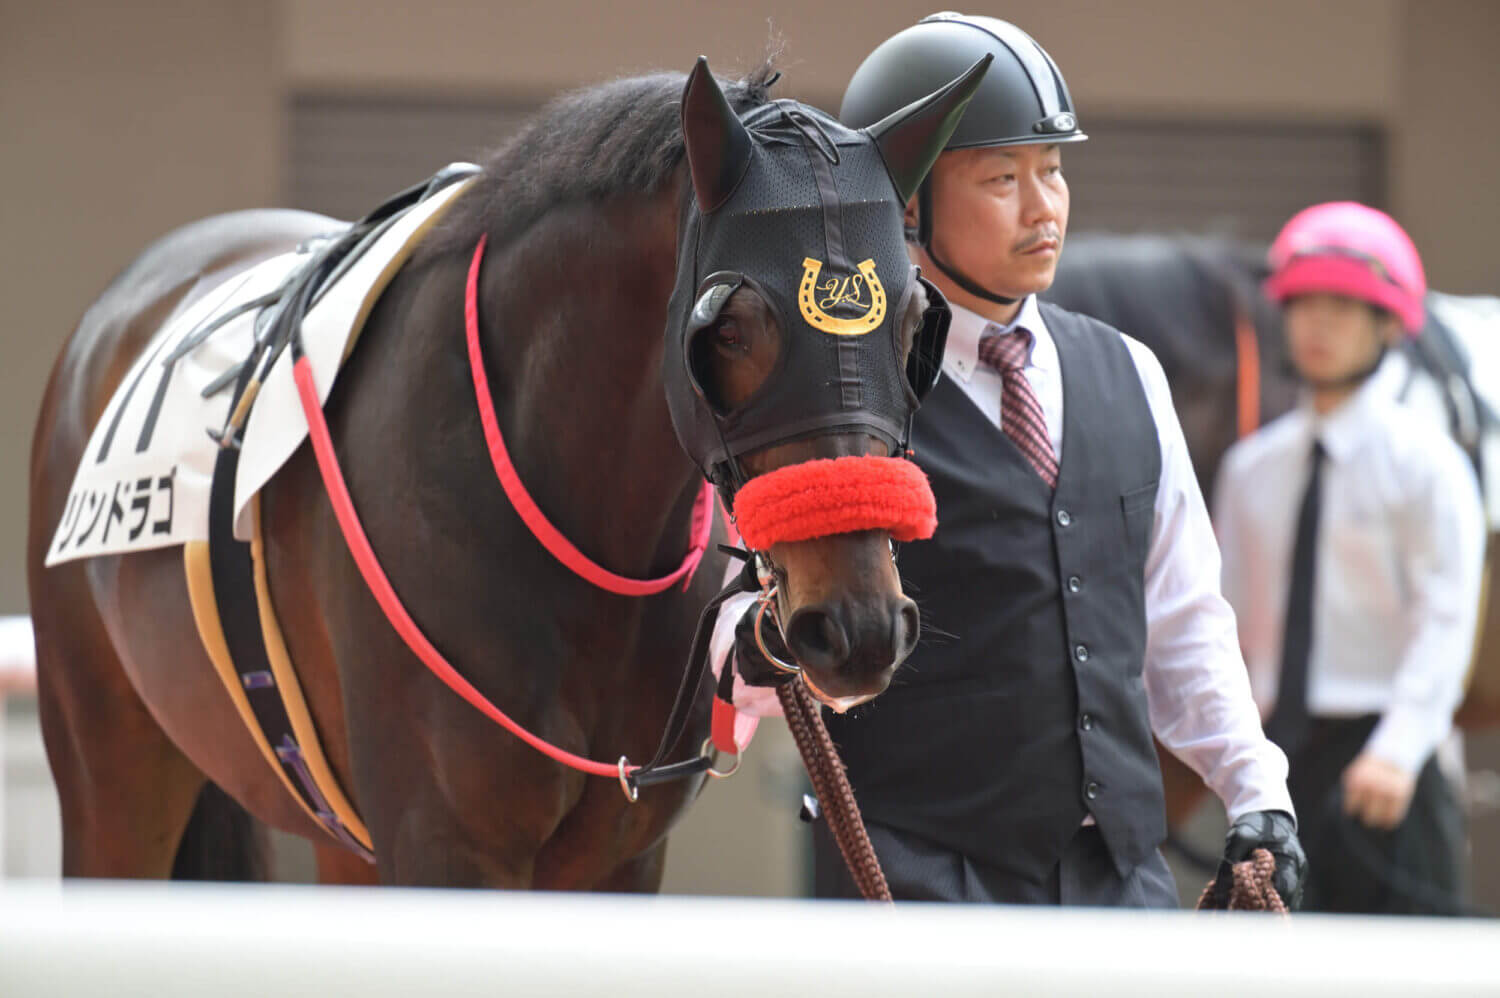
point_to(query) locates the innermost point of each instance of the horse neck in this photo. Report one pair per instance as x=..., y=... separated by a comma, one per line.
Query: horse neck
x=573, y=318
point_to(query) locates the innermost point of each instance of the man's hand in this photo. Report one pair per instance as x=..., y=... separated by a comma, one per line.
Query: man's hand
x=1377, y=792
x=1275, y=832
x=755, y=668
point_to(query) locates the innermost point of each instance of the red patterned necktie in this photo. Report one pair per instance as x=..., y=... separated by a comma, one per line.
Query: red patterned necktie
x=1020, y=413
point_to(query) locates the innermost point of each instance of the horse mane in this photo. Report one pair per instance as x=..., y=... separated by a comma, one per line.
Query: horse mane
x=623, y=136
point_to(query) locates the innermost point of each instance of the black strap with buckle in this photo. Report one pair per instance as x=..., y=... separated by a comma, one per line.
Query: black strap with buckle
x=656, y=771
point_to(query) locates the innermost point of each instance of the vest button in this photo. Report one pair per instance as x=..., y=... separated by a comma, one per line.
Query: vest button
x=1081, y=652
x=1064, y=518
x=1074, y=583
x=1091, y=790
x=1086, y=722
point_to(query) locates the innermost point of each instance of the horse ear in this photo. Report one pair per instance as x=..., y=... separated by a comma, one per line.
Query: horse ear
x=718, y=144
x=912, y=138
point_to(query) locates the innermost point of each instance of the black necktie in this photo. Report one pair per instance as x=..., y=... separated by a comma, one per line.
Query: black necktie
x=1288, y=722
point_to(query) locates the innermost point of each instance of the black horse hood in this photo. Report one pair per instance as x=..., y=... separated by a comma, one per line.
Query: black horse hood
x=808, y=213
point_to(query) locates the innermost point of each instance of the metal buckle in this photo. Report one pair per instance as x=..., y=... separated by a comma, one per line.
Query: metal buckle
x=632, y=791
x=764, y=574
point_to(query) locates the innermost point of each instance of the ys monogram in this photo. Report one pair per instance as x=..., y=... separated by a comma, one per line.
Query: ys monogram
x=860, y=290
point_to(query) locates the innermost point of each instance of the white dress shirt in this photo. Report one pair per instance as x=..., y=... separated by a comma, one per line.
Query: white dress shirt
x=1400, y=554
x=1197, y=693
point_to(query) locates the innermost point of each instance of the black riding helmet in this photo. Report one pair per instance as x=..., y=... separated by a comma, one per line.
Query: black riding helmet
x=1022, y=100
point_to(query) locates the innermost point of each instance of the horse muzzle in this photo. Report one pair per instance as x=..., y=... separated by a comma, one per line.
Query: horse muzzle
x=846, y=641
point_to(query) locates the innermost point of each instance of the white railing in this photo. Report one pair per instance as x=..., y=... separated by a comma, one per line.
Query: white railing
x=17, y=678
x=17, y=656
x=228, y=941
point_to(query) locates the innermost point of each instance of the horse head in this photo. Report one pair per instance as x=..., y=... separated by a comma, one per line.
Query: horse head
x=800, y=341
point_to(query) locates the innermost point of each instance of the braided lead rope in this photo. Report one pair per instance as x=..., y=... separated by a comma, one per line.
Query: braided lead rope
x=1252, y=889
x=805, y=721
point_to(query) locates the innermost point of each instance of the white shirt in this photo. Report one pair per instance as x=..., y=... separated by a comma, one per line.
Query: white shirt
x=1197, y=693
x=1400, y=553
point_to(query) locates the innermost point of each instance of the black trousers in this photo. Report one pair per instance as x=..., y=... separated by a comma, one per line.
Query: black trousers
x=1415, y=868
x=918, y=870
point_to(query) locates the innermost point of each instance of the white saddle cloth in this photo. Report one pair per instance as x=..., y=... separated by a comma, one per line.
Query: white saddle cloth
x=145, y=476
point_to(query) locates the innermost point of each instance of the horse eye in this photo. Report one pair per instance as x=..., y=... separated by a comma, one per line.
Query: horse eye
x=727, y=332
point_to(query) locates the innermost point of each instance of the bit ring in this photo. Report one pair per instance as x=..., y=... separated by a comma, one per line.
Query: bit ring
x=708, y=751
x=767, y=600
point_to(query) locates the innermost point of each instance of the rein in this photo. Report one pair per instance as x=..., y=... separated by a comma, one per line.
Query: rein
x=1244, y=886
x=380, y=586
x=536, y=521
x=794, y=499
x=630, y=776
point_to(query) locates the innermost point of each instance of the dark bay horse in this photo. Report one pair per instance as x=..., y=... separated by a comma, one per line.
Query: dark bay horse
x=583, y=212
x=1194, y=301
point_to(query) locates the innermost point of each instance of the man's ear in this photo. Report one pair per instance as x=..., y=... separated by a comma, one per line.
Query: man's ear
x=909, y=219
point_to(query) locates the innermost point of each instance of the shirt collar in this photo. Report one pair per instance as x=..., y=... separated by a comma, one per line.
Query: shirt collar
x=961, y=358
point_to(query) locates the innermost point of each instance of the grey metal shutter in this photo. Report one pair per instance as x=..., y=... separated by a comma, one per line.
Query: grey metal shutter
x=1235, y=178
x=348, y=153
x=1242, y=179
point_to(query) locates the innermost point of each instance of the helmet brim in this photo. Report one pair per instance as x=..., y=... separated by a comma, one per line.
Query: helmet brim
x=1019, y=140
x=1348, y=277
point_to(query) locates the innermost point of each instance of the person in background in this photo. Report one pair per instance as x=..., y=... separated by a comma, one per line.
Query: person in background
x=1353, y=539
x=1071, y=591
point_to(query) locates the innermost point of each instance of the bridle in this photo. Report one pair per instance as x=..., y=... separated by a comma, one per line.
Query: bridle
x=285, y=334
x=758, y=576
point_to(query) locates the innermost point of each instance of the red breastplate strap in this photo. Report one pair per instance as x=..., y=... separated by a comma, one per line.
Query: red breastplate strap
x=380, y=585
x=541, y=528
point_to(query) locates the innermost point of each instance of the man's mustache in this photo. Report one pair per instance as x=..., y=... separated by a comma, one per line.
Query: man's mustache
x=1034, y=240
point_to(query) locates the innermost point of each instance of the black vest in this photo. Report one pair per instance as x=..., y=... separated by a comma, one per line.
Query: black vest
x=1023, y=708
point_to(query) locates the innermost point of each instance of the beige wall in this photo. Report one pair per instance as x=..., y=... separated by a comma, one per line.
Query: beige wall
x=1445, y=144
x=1266, y=56
x=1425, y=69
x=117, y=122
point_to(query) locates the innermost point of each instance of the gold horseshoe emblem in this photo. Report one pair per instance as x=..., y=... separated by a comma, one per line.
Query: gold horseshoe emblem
x=814, y=298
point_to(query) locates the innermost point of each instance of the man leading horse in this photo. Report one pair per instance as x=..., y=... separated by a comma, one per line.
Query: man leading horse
x=1073, y=581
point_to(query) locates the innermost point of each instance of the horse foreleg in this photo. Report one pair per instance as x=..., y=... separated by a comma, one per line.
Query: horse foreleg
x=440, y=861
x=337, y=865
x=641, y=875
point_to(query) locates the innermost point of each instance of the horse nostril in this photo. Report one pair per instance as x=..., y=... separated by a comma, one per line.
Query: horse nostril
x=908, y=629
x=817, y=639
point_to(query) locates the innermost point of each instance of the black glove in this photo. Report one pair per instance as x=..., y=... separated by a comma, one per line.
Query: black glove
x=1275, y=832
x=755, y=668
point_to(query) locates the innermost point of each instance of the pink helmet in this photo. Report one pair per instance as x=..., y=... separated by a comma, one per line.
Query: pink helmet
x=1345, y=248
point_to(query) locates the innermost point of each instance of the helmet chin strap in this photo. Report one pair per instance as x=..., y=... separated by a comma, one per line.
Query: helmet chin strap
x=924, y=240
x=1359, y=377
